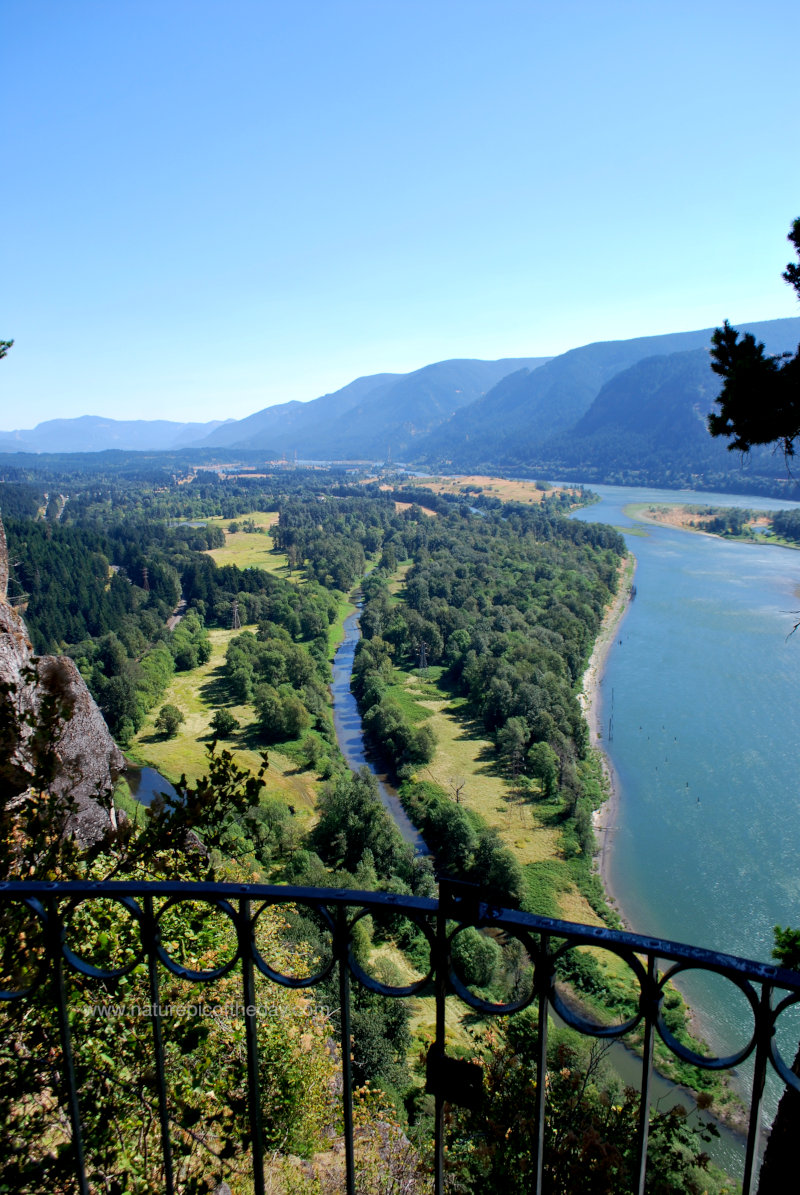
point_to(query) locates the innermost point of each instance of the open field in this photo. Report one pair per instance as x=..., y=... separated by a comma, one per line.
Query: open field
x=688, y=518
x=252, y=550
x=336, y=628
x=197, y=694
x=464, y=757
x=407, y=506
x=506, y=489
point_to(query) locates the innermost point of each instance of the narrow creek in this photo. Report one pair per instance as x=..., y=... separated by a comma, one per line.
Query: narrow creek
x=350, y=731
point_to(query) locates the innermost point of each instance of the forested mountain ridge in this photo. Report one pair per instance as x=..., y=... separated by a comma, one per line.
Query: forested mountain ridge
x=513, y=423
x=648, y=424
x=372, y=414
x=293, y=419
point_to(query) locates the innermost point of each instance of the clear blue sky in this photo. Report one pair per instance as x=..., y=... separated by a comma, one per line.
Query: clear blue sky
x=209, y=207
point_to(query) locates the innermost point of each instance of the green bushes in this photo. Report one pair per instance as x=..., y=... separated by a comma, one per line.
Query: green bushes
x=464, y=847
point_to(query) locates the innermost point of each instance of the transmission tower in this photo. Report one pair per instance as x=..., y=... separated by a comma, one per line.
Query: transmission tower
x=145, y=578
x=422, y=648
x=235, y=620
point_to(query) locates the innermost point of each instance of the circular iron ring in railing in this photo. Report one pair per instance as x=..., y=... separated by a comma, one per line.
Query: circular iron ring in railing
x=79, y=964
x=776, y=1058
x=369, y=981
x=42, y=921
x=463, y=991
x=221, y=905
x=591, y=1028
x=295, y=981
x=683, y=1052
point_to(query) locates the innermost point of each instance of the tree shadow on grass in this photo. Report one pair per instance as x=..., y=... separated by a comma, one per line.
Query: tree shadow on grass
x=214, y=690
x=473, y=731
x=155, y=736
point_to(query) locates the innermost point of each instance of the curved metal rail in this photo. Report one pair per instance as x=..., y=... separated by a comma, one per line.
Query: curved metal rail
x=49, y=907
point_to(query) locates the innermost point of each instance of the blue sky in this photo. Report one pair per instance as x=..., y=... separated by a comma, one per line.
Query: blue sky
x=209, y=207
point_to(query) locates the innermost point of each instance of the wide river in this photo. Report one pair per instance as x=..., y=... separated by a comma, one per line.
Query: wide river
x=701, y=691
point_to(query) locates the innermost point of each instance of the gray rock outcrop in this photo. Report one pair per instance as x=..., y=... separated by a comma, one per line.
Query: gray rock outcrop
x=87, y=760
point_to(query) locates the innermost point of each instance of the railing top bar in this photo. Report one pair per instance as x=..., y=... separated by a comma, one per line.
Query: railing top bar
x=460, y=902
x=188, y=889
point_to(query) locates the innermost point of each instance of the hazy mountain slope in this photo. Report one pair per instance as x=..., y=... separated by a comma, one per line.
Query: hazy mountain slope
x=515, y=419
x=16, y=442
x=372, y=415
x=392, y=419
x=648, y=426
x=650, y=416
x=92, y=433
x=281, y=425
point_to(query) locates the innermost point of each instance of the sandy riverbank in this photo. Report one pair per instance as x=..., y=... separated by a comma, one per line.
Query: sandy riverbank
x=605, y=817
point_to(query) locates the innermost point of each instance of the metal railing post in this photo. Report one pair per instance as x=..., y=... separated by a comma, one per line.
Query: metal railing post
x=149, y=932
x=650, y=999
x=542, y=981
x=55, y=939
x=763, y=1037
x=342, y=949
x=251, y=1039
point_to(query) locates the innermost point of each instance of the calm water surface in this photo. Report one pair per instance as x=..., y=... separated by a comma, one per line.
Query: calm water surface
x=702, y=687
x=146, y=784
x=350, y=731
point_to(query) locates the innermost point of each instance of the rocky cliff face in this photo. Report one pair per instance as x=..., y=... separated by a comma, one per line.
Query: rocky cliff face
x=32, y=689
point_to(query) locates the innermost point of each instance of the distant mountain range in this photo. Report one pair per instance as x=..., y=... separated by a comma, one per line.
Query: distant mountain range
x=92, y=433
x=627, y=411
x=374, y=416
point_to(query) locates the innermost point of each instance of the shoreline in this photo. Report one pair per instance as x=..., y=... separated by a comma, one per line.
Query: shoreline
x=604, y=819
x=636, y=511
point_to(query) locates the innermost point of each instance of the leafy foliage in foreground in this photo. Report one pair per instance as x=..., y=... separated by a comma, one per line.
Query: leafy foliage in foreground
x=590, y=1127
x=109, y=1019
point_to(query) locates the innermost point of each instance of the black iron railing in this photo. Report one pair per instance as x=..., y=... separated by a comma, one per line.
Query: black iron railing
x=768, y=990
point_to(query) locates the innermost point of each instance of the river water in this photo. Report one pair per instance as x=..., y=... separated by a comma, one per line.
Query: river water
x=700, y=692
x=350, y=731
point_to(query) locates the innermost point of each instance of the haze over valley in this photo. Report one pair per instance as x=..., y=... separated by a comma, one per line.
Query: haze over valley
x=628, y=411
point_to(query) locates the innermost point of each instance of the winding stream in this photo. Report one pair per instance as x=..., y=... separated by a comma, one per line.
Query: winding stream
x=145, y=783
x=350, y=731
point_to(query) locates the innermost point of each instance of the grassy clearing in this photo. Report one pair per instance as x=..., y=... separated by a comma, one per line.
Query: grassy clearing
x=463, y=756
x=128, y=804
x=398, y=580
x=197, y=694
x=407, y=506
x=252, y=550
x=504, y=488
x=423, y=1008
x=336, y=628
x=529, y=826
x=408, y=699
